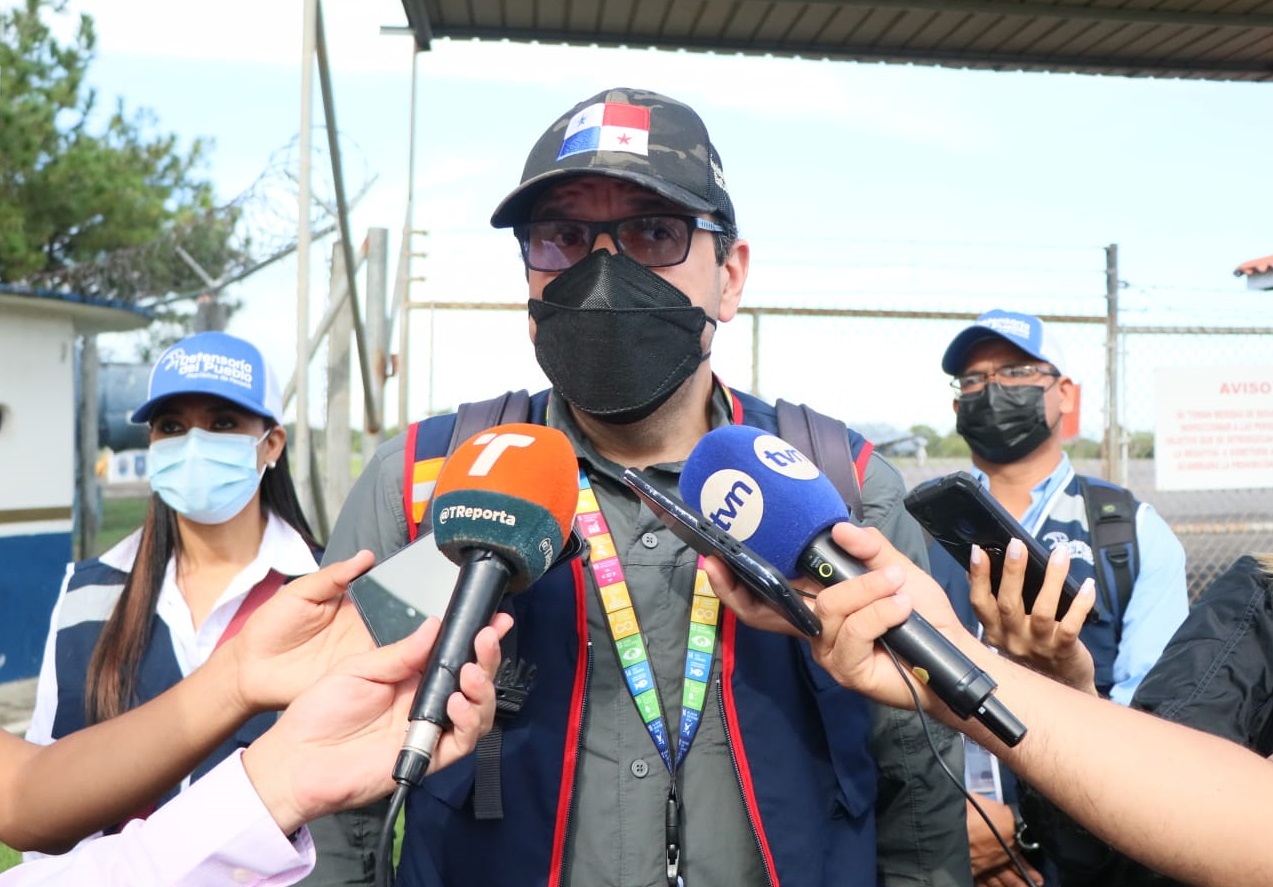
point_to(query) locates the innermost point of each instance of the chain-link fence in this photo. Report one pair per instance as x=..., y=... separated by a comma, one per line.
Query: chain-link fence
x=1215, y=526
x=878, y=368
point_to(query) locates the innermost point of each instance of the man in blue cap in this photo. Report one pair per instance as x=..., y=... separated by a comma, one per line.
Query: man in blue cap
x=1009, y=372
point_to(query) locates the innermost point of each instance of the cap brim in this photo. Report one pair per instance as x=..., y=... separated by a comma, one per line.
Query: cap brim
x=517, y=206
x=955, y=360
x=143, y=413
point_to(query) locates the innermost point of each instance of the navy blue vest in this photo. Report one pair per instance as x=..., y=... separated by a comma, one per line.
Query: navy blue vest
x=811, y=801
x=1066, y=525
x=91, y=593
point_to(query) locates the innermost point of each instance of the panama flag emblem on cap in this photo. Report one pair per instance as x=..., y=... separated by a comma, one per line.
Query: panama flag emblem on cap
x=608, y=126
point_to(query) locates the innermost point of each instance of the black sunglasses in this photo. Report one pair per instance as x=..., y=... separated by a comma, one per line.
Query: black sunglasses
x=656, y=241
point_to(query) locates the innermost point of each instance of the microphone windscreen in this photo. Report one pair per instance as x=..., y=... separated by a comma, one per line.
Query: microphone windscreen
x=512, y=490
x=762, y=491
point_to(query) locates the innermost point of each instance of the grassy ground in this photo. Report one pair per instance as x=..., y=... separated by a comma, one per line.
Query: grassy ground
x=119, y=518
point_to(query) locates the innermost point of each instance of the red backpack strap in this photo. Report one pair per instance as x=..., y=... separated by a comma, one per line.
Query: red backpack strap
x=408, y=485
x=863, y=460
x=260, y=593
x=422, y=462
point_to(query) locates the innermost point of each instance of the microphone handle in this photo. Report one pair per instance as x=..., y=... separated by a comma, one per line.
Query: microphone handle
x=934, y=659
x=484, y=576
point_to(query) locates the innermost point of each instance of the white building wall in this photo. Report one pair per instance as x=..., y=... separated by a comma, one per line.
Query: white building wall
x=37, y=412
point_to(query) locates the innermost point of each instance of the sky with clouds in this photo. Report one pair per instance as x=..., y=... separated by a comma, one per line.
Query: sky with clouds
x=858, y=185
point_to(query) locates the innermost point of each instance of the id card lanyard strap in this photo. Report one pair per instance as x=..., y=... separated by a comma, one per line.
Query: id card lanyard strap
x=629, y=646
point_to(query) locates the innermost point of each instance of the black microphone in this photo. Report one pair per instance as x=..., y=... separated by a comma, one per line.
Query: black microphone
x=936, y=661
x=770, y=496
x=502, y=509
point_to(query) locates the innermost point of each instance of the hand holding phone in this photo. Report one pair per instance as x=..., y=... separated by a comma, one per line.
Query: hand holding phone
x=415, y=582
x=959, y=512
x=706, y=538
x=396, y=595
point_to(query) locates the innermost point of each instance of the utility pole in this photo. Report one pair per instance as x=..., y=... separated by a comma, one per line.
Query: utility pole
x=1113, y=432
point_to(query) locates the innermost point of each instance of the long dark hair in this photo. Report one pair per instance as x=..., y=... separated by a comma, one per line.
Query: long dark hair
x=111, y=682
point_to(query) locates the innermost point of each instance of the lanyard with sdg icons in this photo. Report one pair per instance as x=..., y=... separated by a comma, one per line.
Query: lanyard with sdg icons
x=629, y=646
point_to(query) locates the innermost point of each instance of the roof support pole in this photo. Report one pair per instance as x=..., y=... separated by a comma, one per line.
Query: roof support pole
x=301, y=446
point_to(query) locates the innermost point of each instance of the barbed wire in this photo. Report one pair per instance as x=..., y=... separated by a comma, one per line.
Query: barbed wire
x=207, y=249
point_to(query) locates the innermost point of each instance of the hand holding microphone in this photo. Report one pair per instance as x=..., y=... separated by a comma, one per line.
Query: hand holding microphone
x=502, y=509
x=767, y=494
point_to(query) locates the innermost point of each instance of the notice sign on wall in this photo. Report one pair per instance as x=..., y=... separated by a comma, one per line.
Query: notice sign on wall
x=1214, y=428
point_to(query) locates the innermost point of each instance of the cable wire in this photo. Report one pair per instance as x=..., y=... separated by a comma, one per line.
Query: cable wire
x=932, y=744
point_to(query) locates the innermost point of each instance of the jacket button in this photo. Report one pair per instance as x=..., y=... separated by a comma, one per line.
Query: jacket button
x=649, y=540
x=640, y=768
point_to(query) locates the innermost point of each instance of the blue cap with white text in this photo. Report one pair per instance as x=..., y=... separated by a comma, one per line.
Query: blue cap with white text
x=1025, y=331
x=218, y=364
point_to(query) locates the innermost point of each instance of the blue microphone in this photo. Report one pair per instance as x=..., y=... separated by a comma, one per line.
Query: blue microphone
x=767, y=494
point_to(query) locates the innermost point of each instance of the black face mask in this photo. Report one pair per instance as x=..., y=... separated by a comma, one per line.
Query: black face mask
x=615, y=339
x=1004, y=423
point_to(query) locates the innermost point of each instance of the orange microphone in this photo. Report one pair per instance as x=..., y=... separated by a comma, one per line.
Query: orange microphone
x=502, y=509
x=512, y=490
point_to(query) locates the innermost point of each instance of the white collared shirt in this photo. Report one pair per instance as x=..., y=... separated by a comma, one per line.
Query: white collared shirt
x=282, y=549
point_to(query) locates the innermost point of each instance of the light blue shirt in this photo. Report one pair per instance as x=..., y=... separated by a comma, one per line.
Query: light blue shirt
x=1160, y=597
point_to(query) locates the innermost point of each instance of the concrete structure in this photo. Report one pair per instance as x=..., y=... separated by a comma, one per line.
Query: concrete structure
x=39, y=385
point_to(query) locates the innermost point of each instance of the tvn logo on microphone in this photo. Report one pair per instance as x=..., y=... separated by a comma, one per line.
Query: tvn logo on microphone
x=777, y=455
x=732, y=498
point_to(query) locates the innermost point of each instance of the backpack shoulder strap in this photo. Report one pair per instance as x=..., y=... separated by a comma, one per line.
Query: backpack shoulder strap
x=1111, y=519
x=514, y=677
x=422, y=470
x=827, y=442
x=470, y=418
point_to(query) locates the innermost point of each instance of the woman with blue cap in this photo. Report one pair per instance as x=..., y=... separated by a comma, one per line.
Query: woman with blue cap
x=223, y=532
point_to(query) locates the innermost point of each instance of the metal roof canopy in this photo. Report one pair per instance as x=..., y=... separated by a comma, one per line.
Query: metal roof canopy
x=1194, y=39
x=89, y=314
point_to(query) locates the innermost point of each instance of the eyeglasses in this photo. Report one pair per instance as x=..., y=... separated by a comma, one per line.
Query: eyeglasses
x=1013, y=374
x=654, y=241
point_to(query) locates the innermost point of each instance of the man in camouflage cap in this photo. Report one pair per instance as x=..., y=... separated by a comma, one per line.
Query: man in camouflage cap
x=661, y=741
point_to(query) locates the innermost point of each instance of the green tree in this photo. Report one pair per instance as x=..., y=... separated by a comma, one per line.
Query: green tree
x=90, y=202
x=1083, y=448
x=950, y=446
x=1141, y=445
x=927, y=432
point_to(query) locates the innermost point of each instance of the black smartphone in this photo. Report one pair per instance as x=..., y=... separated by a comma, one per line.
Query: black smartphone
x=396, y=595
x=706, y=538
x=957, y=512
x=415, y=582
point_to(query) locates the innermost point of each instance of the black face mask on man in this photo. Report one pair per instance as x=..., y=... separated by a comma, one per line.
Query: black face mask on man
x=615, y=339
x=1004, y=423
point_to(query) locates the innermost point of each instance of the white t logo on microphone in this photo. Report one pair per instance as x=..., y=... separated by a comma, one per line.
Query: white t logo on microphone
x=494, y=446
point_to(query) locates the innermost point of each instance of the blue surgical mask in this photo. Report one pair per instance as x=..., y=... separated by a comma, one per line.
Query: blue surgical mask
x=207, y=477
